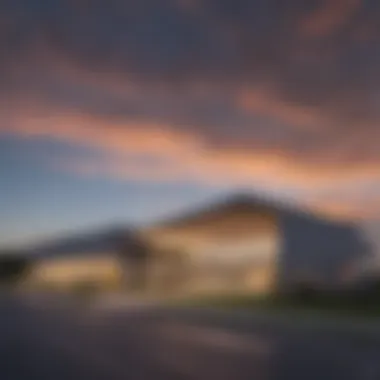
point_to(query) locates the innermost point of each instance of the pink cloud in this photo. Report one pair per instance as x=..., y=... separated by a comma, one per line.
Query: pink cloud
x=154, y=151
x=262, y=101
x=329, y=17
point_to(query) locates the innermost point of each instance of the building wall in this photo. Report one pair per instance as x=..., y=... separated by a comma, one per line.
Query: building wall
x=261, y=252
x=318, y=252
x=66, y=273
x=231, y=252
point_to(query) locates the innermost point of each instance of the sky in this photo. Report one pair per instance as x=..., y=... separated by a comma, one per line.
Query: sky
x=124, y=111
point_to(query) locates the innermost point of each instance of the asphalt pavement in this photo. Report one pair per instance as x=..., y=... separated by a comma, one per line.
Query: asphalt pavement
x=46, y=338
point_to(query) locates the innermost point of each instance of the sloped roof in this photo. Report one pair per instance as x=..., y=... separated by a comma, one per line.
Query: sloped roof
x=86, y=243
x=241, y=204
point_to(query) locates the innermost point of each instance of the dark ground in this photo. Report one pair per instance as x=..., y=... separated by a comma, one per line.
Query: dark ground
x=51, y=339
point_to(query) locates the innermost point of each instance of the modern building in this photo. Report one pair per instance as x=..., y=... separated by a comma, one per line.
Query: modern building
x=248, y=245
x=111, y=259
x=239, y=244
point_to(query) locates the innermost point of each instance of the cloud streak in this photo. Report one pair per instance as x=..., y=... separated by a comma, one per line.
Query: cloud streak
x=277, y=93
x=153, y=152
x=329, y=17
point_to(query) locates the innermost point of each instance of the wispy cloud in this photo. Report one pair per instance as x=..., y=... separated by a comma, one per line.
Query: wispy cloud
x=207, y=91
x=154, y=152
x=329, y=17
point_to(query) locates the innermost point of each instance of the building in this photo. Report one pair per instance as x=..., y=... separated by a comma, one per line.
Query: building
x=106, y=260
x=320, y=253
x=240, y=244
x=244, y=244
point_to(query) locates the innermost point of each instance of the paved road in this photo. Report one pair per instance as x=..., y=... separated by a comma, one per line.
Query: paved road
x=46, y=340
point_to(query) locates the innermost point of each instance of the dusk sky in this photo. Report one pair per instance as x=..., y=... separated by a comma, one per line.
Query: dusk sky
x=124, y=111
